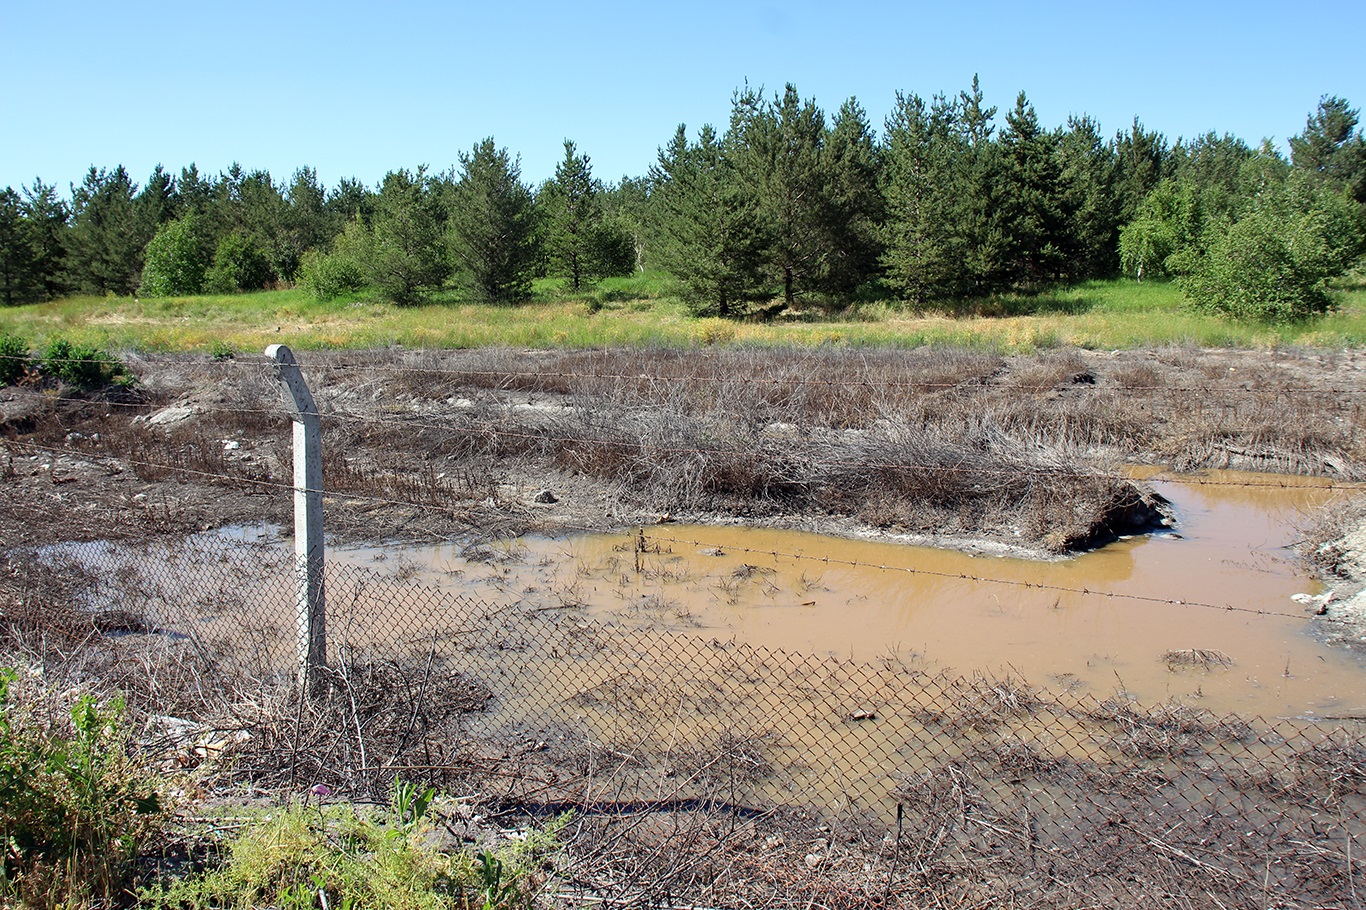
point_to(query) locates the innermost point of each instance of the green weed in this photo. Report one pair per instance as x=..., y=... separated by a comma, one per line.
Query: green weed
x=81, y=366
x=75, y=805
x=306, y=856
x=409, y=804
x=221, y=350
x=496, y=887
x=13, y=359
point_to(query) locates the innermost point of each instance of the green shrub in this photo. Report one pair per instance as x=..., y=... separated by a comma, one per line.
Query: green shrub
x=311, y=856
x=81, y=366
x=330, y=275
x=221, y=350
x=75, y=806
x=13, y=359
x=1274, y=263
x=1169, y=223
x=239, y=264
x=175, y=261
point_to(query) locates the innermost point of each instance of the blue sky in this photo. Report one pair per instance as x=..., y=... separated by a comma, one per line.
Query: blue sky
x=356, y=89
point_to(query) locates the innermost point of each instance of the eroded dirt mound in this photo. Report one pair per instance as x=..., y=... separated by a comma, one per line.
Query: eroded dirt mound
x=1337, y=548
x=966, y=446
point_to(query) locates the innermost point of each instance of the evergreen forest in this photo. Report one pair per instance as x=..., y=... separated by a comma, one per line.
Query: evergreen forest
x=788, y=206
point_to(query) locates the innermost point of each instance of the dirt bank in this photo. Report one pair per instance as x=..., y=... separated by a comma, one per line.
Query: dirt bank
x=1336, y=547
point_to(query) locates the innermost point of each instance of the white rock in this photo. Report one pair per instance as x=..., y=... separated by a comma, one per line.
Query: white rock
x=171, y=415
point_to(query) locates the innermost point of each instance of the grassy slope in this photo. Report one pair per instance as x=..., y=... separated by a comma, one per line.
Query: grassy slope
x=637, y=312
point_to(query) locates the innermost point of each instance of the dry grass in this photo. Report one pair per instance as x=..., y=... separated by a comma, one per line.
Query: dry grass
x=938, y=441
x=983, y=703
x=1166, y=729
x=1205, y=659
x=753, y=434
x=1323, y=541
x=379, y=718
x=958, y=440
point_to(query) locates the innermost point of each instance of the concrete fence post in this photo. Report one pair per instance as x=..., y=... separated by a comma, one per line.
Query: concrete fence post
x=310, y=600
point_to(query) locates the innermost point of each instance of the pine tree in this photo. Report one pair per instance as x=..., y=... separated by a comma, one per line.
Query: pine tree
x=46, y=219
x=307, y=224
x=573, y=219
x=261, y=215
x=1037, y=225
x=853, y=203
x=1211, y=162
x=949, y=206
x=708, y=227
x=493, y=227
x=926, y=163
x=1142, y=160
x=1332, y=147
x=407, y=246
x=18, y=278
x=776, y=156
x=105, y=252
x=1085, y=183
x=626, y=209
x=348, y=201
x=195, y=193
x=975, y=119
x=157, y=204
x=978, y=189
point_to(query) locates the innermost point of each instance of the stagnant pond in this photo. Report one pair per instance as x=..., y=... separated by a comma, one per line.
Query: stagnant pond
x=1167, y=632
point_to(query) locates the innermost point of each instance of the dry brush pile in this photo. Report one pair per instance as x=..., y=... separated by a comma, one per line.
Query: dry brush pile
x=960, y=443
x=952, y=443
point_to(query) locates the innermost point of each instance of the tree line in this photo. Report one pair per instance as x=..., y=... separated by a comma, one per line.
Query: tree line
x=787, y=205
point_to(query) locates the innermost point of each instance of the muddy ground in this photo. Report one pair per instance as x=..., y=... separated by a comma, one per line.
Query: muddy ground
x=1031, y=454
x=1024, y=454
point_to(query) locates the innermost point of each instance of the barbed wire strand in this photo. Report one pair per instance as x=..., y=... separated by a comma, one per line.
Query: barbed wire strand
x=445, y=510
x=964, y=576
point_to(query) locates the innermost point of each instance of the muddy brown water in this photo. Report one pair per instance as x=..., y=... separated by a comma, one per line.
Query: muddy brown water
x=867, y=599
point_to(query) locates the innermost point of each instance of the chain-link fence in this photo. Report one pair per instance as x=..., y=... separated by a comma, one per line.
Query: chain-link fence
x=706, y=772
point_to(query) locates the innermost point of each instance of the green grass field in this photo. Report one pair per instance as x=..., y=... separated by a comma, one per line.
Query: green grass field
x=640, y=311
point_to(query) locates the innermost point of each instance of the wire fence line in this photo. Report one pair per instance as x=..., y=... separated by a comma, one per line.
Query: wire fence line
x=779, y=774
x=656, y=536
x=912, y=782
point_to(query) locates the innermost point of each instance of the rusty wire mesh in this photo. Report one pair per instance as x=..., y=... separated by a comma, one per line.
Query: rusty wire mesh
x=702, y=770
